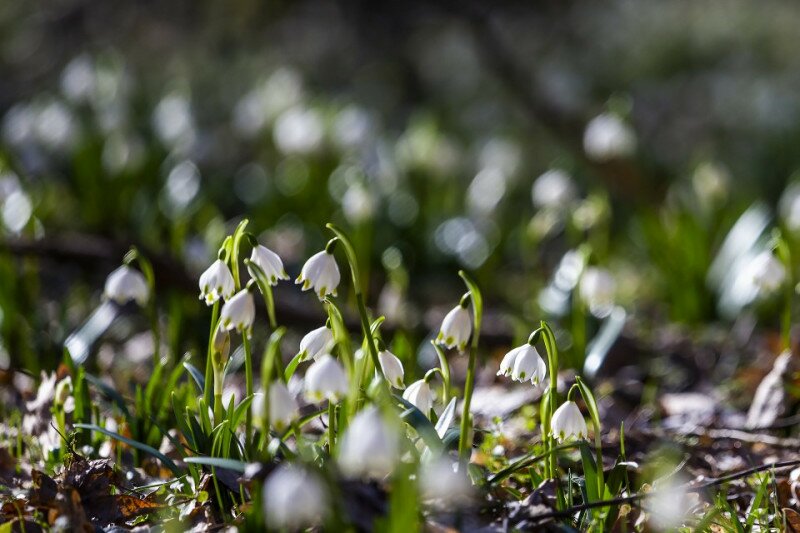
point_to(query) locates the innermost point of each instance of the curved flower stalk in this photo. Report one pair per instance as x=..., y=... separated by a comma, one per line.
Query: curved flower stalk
x=321, y=272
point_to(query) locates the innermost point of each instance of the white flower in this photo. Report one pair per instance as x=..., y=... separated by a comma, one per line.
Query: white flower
x=608, y=137
x=239, y=313
x=597, y=289
x=315, y=343
x=358, y=204
x=283, y=407
x=522, y=364
x=553, y=189
x=216, y=282
x=392, y=368
x=325, y=379
x=126, y=284
x=294, y=498
x=768, y=272
x=269, y=262
x=441, y=479
x=456, y=328
x=419, y=394
x=568, y=422
x=369, y=447
x=320, y=272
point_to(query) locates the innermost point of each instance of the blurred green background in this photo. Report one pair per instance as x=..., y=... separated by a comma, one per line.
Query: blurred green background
x=422, y=127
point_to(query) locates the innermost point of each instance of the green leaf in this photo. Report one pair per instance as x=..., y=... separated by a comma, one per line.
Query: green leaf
x=109, y=392
x=218, y=462
x=135, y=444
x=198, y=376
x=423, y=426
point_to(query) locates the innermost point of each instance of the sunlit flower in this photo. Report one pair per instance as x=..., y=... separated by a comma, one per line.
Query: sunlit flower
x=568, y=422
x=239, y=313
x=522, y=364
x=269, y=262
x=456, y=328
x=768, y=272
x=294, y=498
x=320, y=272
x=442, y=480
x=315, y=343
x=420, y=395
x=325, y=379
x=392, y=368
x=126, y=284
x=369, y=447
x=597, y=289
x=283, y=406
x=608, y=137
x=554, y=189
x=216, y=282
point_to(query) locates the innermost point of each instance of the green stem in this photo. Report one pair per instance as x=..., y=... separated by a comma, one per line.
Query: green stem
x=445, y=368
x=208, y=389
x=465, y=436
x=331, y=427
x=248, y=372
x=552, y=392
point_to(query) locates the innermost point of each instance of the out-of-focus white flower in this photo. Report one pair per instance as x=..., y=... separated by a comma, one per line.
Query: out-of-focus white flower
x=790, y=206
x=316, y=343
x=369, y=447
x=669, y=504
x=294, y=498
x=568, y=422
x=597, y=289
x=63, y=395
x=283, y=406
x=320, y=272
x=358, y=204
x=325, y=379
x=298, y=130
x=126, y=284
x=269, y=262
x=522, y=364
x=392, y=368
x=419, y=394
x=216, y=282
x=767, y=272
x=239, y=313
x=608, y=137
x=44, y=394
x=553, y=189
x=456, y=328
x=442, y=480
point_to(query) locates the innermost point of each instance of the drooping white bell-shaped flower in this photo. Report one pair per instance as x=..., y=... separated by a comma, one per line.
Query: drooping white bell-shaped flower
x=568, y=422
x=294, y=498
x=768, y=272
x=269, y=262
x=524, y=363
x=325, y=379
x=392, y=368
x=597, y=289
x=216, y=282
x=456, y=328
x=369, y=447
x=441, y=479
x=283, y=406
x=126, y=284
x=420, y=395
x=316, y=343
x=239, y=313
x=320, y=272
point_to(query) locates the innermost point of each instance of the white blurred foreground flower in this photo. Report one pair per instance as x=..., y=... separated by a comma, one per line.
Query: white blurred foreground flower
x=239, y=313
x=269, y=262
x=392, y=368
x=442, y=479
x=126, y=284
x=568, y=422
x=608, y=137
x=321, y=272
x=294, y=498
x=768, y=273
x=325, y=379
x=456, y=327
x=597, y=289
x=553, y=189
x=283, y=407
x=522, y=364
x=216, y=282
x=419, y=394
x=369, y=447
x=316, y=343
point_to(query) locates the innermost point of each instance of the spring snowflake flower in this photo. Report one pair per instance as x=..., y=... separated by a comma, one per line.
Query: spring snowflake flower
x=126, y=284
x=239, y=313
x=456, y=327
x=441, y=479
x=767, y=272
x=522, y=364
x=269, y=262
x=419, y=394
x=283, y=406
x=325, y=379
x=369, y=447
x=320, y=272
x=568, y=422
x=392, y=368
x=294, y=498
x=216, y=282
x=316, y=343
